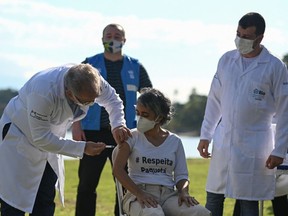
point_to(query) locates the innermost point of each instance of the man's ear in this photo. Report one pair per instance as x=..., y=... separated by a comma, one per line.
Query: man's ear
x=69, y=93
x=260, y=38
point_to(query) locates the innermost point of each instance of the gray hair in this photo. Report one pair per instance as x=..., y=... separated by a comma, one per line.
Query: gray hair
x=83, y=78
x=157, y=102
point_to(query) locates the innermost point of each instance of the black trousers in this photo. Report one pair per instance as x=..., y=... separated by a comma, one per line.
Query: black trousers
x=279, y=205
x=89, y=172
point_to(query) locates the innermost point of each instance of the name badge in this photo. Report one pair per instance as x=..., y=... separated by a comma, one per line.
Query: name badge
x=131, y=87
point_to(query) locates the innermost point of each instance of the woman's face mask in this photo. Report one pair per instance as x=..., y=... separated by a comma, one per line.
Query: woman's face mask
x=244, y=46
x=144, y=124
x=113, y=46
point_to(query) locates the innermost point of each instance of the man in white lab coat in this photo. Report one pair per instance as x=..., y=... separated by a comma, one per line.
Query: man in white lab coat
x=33, y=128
x=248, y=89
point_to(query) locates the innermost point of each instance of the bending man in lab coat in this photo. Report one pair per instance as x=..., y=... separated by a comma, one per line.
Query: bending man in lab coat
x=250, y=86
x=33, y=128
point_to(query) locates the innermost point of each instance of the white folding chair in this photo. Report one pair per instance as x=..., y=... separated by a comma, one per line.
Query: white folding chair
x=119, y=188
x=261, y=207
x=281, y=170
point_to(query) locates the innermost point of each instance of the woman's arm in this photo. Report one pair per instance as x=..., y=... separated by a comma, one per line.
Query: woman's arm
x=121, y=174
x=183, y=190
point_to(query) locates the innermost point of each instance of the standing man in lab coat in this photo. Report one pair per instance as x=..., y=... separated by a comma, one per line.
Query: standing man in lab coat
x=250, y=87
x=33, y=128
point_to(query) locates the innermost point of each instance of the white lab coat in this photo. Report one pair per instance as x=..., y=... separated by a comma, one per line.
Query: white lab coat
x=246, y=101
x=40, y=116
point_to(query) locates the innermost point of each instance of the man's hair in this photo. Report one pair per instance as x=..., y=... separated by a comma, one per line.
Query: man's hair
x=157, y=103
x=82, y=78
x=253, y=19
x=114, y=25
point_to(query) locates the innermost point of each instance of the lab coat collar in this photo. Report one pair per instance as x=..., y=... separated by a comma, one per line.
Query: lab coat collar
x=262, y=58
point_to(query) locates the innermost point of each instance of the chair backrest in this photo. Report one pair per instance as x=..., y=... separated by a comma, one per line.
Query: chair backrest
x=119, y=188
x=282, y=169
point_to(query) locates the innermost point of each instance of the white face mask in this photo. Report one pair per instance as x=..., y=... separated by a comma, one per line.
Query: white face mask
x=244, y=46
x=86, y=104
x=113, y=46
x=76, y=101
x=144, y=124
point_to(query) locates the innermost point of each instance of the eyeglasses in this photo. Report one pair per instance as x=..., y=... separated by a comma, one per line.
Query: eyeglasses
x=80, y=103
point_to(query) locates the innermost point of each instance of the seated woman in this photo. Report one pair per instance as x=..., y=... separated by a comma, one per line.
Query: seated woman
x=157, y=183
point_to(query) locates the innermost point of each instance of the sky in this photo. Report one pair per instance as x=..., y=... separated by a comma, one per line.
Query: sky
x=179, y=42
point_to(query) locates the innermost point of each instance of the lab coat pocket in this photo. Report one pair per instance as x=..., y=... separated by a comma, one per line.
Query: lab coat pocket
x=219, y=138
x=258, y=94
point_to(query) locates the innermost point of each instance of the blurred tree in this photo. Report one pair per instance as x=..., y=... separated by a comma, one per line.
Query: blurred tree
x=285, y=59
x=5, y=96
x=189, y=116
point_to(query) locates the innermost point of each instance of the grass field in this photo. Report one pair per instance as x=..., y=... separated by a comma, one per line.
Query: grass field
x=106, y=191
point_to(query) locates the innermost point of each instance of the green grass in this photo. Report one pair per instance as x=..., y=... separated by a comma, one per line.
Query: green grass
x=198, y=169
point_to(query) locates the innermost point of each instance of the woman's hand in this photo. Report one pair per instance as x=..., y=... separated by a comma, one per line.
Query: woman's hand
x=146, y=200
x=184, y=197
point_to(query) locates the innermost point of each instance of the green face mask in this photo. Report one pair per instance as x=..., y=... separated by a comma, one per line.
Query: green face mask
x=113, y=46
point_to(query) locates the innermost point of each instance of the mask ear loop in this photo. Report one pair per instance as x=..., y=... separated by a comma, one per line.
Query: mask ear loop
x=156, y=120
x=254, y=41
x=254, y=45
